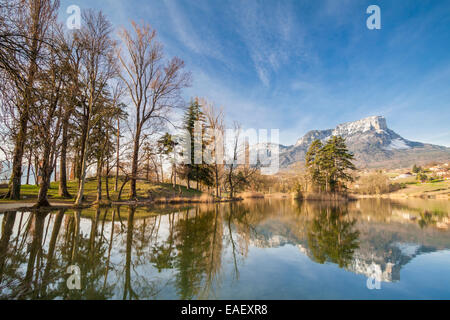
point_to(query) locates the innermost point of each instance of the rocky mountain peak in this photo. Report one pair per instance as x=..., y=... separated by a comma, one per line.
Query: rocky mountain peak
x=370, y=124
x=373, y=144
x=376, y=123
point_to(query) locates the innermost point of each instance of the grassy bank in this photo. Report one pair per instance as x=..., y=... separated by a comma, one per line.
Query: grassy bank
x=412, y=189
x=147, y=193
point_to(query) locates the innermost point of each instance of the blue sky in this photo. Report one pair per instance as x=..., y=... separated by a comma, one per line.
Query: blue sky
x=303, y=65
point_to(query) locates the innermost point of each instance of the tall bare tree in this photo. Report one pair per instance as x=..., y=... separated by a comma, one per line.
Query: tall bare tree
x=97, y=69
x=47, y=117
x=73, y=50
x=215, y=123
x=238, y=172
x=153, y=84
x=20, y=56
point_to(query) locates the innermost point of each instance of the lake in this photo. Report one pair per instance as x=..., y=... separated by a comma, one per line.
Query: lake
x=255, y=249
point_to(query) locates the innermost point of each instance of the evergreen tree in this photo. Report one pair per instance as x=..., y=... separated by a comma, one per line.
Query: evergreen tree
x=341, y=163
x=328, y=165
x=312, y=162
x=193, y=114
x=201, y=173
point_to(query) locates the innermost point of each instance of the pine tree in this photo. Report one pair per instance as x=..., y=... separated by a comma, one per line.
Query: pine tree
x=201, y=173
x=328, y=165
x=193, y=114
x=342, y=163
x=312, y=162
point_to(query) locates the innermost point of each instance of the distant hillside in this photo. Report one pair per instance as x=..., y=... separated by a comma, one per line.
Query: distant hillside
x=373, y=144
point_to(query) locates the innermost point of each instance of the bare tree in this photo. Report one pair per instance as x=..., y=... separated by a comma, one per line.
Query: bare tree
x=73, y=50
x=47, y=118
x=233, y=164
x=20, y=56
x=238, y=173
x=97, y=69
x=116, y=182
x=102, y=141
x=117, y=94
x=8, y=122
x=153, y=85
x=215, y=123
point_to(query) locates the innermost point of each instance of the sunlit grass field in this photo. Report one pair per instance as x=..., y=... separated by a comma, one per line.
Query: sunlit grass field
x=144, y=189
x=435, y=188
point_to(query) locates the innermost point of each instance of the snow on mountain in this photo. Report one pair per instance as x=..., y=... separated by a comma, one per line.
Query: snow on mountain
x=377, y=124
x=397, y=144
x=373, y=144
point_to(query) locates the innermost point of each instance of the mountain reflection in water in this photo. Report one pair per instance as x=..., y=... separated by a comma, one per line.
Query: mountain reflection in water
x=262, y=249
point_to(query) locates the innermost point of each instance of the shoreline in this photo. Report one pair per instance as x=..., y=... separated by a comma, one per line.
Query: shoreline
x=55, y=205
x=401, y=196
x=350, y=196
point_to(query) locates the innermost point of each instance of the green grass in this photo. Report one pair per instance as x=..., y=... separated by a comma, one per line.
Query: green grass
x=161, y=190
x=439, y=187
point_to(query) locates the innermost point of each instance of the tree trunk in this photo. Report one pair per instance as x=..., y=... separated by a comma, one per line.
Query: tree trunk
x=16, y=174
x=29, y=168
x=162, y=168
x=107, y=187
x=74, y=175
x=36, y=171
x=155, y=164
x=125, y=181
x=83, y=150
x=148, y=168
x=80, y=195
x=99, y=180
x=134, y=165
x=217, y=180
x=116, y=186
x=63, y=191
x=108, y=169
x=230, y=182
x=174, y=174
x=44, y=185
x=55, y=169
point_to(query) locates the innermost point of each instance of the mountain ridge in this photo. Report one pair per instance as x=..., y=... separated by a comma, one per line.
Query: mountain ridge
x=373, y=144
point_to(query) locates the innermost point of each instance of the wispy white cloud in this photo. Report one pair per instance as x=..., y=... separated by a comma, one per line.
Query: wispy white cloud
x=300, y=65
x=206, y=44
x=267, y=32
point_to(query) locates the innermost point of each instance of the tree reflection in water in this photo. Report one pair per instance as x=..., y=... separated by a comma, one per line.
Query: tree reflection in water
x=332, y=238
x=185, y=252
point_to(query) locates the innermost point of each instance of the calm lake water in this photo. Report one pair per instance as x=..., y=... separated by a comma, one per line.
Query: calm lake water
x=264, y=249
